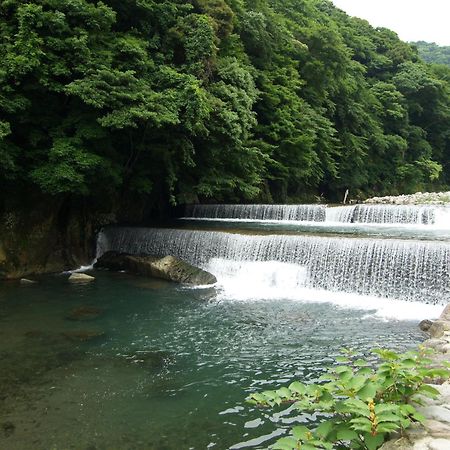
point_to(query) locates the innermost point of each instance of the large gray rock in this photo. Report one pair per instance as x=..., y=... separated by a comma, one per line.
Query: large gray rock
x=168, y=268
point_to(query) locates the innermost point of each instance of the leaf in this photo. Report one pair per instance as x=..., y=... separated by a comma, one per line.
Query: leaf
x=323, y=430
x=387, y=427
x=428, y=390
x=388, y=417
x=360, y=363
x=297, y=387
x=301, y=433
x=373, y=442
x=368, y=391
x=386, y=407
x=356, y=383
x=284, y=392
x=342, y=359
x=346, y=434
x=285, y=443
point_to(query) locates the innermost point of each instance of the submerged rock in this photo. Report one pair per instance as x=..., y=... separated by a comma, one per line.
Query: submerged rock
x=168, y=268
x=27, y=282
x=153, y=360
x=8, y=428
x=85, y=313
x=82, y=335
x=80, y=278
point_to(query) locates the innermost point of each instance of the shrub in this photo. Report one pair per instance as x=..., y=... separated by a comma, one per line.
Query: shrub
x=361, y=401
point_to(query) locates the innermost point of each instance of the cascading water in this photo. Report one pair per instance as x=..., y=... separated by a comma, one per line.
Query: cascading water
x=437, y=216
x=307, y=213
x=404, y=270
x=398, y=214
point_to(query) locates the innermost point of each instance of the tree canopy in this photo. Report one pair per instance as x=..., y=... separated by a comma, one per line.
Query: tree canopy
x=229, y=100
x=433, y=53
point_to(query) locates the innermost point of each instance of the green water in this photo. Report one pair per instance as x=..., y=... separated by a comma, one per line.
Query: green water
x=166, y=367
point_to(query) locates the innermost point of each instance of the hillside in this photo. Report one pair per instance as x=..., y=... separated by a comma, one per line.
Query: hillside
x=433, y=53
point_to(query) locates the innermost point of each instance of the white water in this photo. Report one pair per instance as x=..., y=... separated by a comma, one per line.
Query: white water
x=395, y=269
x=420, y=215
x=309, y=213
x=268, y=280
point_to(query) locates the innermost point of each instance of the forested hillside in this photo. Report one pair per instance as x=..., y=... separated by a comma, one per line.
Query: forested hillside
x=230, y=100
x=433, y=53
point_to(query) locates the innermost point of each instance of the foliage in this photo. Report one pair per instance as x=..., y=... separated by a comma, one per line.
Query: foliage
x=359, y=403
x=230, y=100
x=433, y=53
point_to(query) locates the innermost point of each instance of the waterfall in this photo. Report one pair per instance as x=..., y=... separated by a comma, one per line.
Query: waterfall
x=399, y=269
x=397, y=214
x=437, y=216
x=307, y=213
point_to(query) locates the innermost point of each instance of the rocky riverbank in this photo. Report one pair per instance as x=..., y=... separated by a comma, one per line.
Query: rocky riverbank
x=435, y=432
x=419, y=198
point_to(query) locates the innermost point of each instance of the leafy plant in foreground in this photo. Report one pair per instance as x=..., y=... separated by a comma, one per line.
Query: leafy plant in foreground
x=361, y=402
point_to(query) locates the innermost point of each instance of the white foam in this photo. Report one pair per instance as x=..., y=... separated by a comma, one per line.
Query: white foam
x=271, y=280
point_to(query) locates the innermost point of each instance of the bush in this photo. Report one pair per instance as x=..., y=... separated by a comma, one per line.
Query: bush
x=360, y=401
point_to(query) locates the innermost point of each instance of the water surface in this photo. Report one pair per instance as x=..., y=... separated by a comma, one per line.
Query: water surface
x=163, y=366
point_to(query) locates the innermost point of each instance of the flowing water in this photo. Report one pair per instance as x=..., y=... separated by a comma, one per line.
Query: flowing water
x=132, y=363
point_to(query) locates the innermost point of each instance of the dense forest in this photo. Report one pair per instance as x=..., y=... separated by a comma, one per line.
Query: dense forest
x=433, y=53
x=173, y=101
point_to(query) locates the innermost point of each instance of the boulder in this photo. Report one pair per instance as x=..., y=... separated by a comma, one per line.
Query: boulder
x=439, y=328
x=168, y=268
x=80, y=278
x=425, y=325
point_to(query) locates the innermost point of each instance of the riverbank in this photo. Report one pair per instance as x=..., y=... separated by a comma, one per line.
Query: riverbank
x=419, y=198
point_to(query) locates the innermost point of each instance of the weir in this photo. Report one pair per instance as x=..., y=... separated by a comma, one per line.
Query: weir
x=377, y=214
x=308, y=213
x=398, y=269
x=400, y=214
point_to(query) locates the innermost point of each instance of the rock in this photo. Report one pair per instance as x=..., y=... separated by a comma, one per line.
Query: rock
x=436, y=428
x=175, y=269
x=438, y=328
x=437, y=344
x=425, y=325
x=84, y=313
x=446, y=313
x=436, y=412
x=439, y=444
x=80, y=278
x=168, y=268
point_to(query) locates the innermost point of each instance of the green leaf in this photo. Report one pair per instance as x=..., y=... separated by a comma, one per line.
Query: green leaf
x=428, y=390
x=368, y=391
x=301, y=433
x=297, y=387
x=285, y=443
x=324, y=429
x=373, y=442
x=346, y=434
x=284, y=392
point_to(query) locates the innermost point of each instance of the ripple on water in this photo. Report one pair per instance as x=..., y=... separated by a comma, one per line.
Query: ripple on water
x=172, y=368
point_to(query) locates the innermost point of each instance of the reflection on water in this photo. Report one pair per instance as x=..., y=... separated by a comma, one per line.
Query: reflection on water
x=129, y=363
